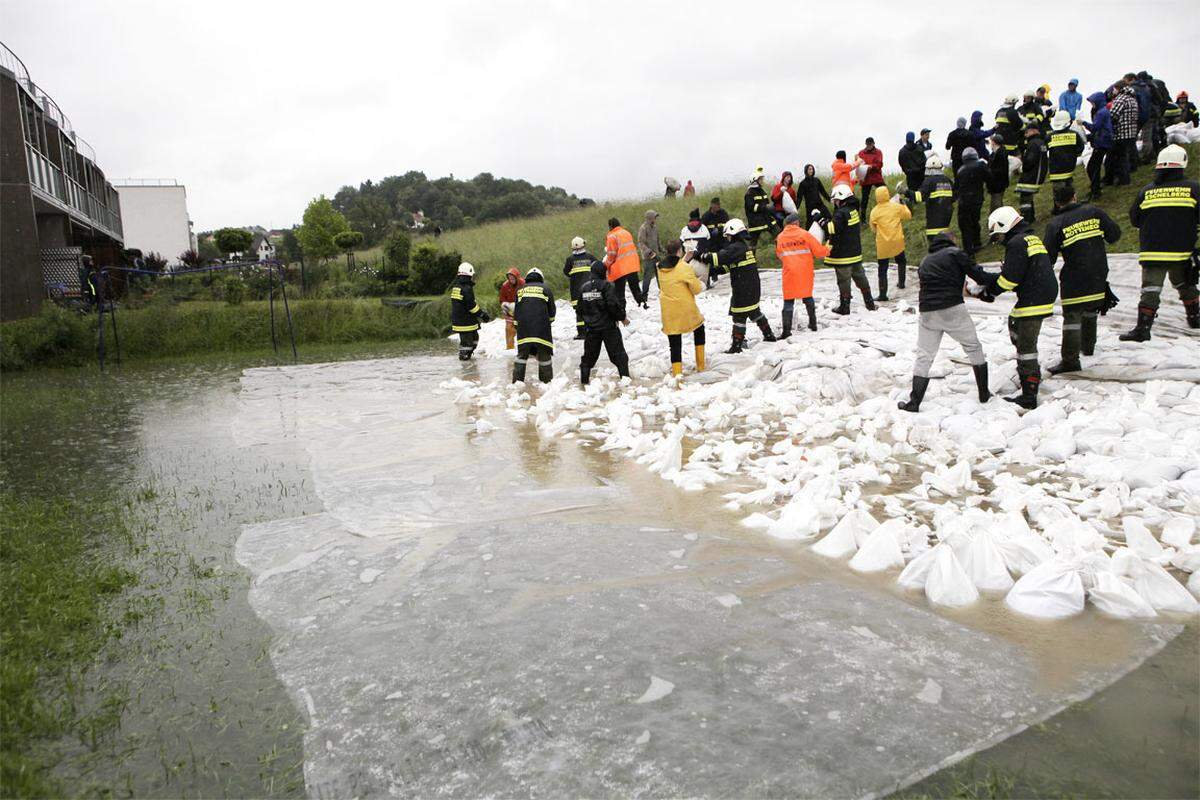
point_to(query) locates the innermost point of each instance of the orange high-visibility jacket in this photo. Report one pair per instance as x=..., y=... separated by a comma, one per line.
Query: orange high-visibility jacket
x=796, y=249
x=620, y=254
x=843, y=172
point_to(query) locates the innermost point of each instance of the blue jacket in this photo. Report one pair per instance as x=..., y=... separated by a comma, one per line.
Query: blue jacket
x=979, y=135
x=1101, y=126
x=1070, y=101
x=1145, y=100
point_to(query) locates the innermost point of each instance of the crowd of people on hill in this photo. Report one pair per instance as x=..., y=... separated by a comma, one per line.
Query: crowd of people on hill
x=1032, y=140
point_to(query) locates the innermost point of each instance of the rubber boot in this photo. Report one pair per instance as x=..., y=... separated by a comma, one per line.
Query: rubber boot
x=811, y=307
x=882, y=283
x=699, y=358
x=676, y=368
x=1191, y=308
x=765, y=327
x=868, y=301
x=585, y=375
x=518, y=371
x=1087, y=338
x=915, y=397
x=735, y=346
x=1028, y=396
x=623, y=367
x=901, y=272
x=843, y=307
x=981, y=382
x=1141, y=331
x=1071, y=342
x=787, y=324
x=1065, y=366
x=545, y=372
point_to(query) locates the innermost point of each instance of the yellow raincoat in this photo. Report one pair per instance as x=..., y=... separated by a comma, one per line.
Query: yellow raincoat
x=678, y=287
x=886, y=222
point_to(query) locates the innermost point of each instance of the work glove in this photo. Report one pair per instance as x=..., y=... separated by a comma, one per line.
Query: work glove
x=484, y=316
x=1110, y=300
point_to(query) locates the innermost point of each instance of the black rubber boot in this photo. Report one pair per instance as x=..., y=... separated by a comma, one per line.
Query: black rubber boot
x=916, y=395
x=584, y=375
x=787, y=324
x=1028, y=396
x=981, y=382
x=810, y=306
x=1141, y=331
x=545, y=372
x=868, y=301
x=518, y=371
x=1087, y=338
x=1065, y=366
x=1192, y=310
x=735, y=346
x=882, y=282
x=765, y=327
x=843, y=307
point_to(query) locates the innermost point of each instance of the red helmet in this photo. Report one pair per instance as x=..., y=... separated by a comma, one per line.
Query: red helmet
x=1182, y=96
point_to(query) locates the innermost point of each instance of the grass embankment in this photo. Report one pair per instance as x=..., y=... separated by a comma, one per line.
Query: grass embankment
x=61, y=338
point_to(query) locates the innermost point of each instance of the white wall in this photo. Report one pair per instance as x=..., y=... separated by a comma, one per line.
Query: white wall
x=155, y=219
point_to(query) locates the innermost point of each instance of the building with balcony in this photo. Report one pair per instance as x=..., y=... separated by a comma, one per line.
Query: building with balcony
x=55, y=204
x=155, y=217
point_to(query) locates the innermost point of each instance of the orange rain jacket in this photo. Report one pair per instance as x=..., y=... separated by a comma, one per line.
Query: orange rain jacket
x=796, y=249
x=843, y=172
x=620, y=254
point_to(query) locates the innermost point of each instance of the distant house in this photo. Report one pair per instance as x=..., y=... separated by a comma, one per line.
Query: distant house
x=262, y=247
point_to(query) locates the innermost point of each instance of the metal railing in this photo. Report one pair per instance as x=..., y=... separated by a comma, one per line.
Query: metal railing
x=145, y=182
x=10, y=61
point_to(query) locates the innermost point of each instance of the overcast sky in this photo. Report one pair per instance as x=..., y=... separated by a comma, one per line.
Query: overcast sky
x=259, y=106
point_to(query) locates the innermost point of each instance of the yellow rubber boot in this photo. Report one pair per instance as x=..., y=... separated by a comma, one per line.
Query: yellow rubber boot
x=676, y=368
x=699, y=358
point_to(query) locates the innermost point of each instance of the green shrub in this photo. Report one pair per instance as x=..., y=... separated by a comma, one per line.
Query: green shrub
x=431, y=271
x=396, y=250
x=54, y=335
x=235, y=290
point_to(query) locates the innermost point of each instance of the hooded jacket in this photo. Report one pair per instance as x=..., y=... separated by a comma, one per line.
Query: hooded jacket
x=887, y=222
x=1009, y=125
x=911, y=156
x=464, y=311
x=648, y=242
x=758, y=208
x=845, y=235
x=959, y=139
x=796, y=248
x=998, y=171
x=577, y=268
x=534, y=313
x=1101, y=126
x=1070, y=101
x=778, y=191
x=972, y=179
x=1079, y=232
x=1065, y=147
x=843, y=172
x=1166, y=214
x=697, y=234
x=812, y=189
x=739, y=261
x=508, y=291
x=1026, y=271
x=678, y=287
x=620, y=254
x=979, y=136
x=937, y=193
x=943, y=273
x=1033, y=165
x=873, y=158
x=600, y=306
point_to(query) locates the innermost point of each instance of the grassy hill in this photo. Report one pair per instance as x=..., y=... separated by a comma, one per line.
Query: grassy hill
x=544, y=241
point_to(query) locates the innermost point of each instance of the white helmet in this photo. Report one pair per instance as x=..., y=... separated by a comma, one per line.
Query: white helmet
x=933, y=161
x=842, y=191
x=578, y=243
x=1010, y=99
x=535, y=271
x=733, y=227
x=1171, y=157
x=1061, y=120
x=758, y=174
x=466, y=269
x=1030, y=93
x=1002, y=220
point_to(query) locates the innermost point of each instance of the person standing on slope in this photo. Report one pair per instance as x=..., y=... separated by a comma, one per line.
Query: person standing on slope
x=1124, y=110
x=812, y=190
x=783, y=198
x=872, y=157
x=796, y=248
x=1026, y=270
x=1064, y=149
x=959, y=140
x=621, y=259
x=1034, y=166
x=1009, y=125
x=971, y=183
x=1071, y=100
x=650, y=249
x=601, y=308
x=942, y=276
x=937, y=193
x=1101, y=130
x=689, y=190
x=738, y=259
x=695, y=239
x=678, y=287
x=979, y=136
x=757, y=203
x=508, y=305
x=843, y=170
x=465, y=313
x=577, y=268
x=1032, y=112
x=714, y=219
x=845, y=240
x=1079, y=232
x=534, y=315
x=1187, y=110
x=997, y=172
x=887, y=221
x=1166, y=214
x=912, y=160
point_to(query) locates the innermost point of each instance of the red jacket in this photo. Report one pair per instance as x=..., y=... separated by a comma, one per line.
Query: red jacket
x=777, y=192
x=874, y=160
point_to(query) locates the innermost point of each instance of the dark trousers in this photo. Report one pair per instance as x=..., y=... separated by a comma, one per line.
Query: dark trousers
x=867, y=191
x=544, y=356
x=467, y=342
x=913, y=180
x=630, y=280
x=1079, y=330
x=901, y=270
x=613, y=344
x=1023, y=332
x=649, y=273
x=1094, y=165
x=1153, y=276
x=675, y=342
x=1125, y=160
x=815, y=207
x=969, y=209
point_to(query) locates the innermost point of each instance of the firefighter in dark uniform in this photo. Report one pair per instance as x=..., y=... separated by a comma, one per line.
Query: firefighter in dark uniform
x=844, y=232
x=534, y=315
x=737, y=258
x=1032, y=112
x=577, y=268
x=601, y=308
x=938, y=195
x=1078, y=231
x=1034, y=166
x=1064, y=149
x=759, y=206
x=1008, y=124
x=465, y=313
x=714, y=219
x=1026, y=270
x=1166, y=215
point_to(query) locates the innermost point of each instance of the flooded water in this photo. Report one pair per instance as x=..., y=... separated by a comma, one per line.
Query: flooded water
x=364, y=593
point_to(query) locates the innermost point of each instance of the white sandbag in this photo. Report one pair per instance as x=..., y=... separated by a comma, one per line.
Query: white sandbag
x=1139, y=539
x=797, y=520
x=1178, y=531
x=948, y=584
x=984, y=564
x=817, y=232
x=789, y=205
x=1193, y=584
x=1115, y=597
x=881, y=550
x=916, y=572
x=1023, y=553
x=839, y=542
x=1051, y=590
x=1187, y=559
x=1160, y=590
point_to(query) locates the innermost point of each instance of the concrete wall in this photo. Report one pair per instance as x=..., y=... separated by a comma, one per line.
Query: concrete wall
x=20, y=258
x=155, y=219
